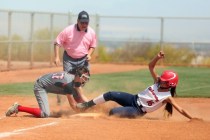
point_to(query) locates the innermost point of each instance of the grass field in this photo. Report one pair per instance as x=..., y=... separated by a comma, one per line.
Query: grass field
x=193, y=82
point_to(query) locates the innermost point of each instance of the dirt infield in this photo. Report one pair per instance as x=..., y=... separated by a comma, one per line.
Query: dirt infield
x=95, y=124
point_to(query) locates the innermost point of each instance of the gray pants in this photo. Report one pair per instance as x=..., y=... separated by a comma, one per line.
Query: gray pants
x=42, y=99
x=69, y=63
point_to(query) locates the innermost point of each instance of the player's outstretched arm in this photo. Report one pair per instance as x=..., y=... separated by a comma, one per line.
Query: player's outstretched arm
x=180, y=109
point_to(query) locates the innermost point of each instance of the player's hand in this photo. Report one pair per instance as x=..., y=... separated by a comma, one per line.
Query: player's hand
x=82, y=106
x=161, y=54
x=57, y=61
x=196, y=119
x=88, y=58
x=75, y=108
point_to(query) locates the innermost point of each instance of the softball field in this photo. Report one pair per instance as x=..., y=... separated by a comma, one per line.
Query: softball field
x=94, y=124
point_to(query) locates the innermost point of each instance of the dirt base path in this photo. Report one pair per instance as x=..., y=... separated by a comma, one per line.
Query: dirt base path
x=31, y=75
x=96, y=125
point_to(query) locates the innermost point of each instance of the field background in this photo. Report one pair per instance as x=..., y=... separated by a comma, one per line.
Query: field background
x=65, y=125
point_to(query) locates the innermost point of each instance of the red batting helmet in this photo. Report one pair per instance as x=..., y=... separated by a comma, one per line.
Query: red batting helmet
x=170, y=77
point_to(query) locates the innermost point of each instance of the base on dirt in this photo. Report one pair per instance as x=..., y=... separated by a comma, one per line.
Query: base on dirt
x=86, y=115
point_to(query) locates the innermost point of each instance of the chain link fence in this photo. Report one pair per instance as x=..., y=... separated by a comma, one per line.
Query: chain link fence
x=26, y=38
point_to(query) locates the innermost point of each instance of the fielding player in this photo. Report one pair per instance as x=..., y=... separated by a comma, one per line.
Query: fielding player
x=58, y=83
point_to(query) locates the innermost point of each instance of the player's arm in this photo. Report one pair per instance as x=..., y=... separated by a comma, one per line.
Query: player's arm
x=72, y=102
x=81, y=95
x=90, y=52
x=56, y=54
x=59, y=41
x=68, y=89
x=152, y=64
x=178, y=108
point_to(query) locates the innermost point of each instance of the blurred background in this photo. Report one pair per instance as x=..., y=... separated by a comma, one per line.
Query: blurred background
x=128, y=33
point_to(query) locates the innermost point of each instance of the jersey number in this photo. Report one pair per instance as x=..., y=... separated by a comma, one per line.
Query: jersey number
x=156, y=98
x=58, y=76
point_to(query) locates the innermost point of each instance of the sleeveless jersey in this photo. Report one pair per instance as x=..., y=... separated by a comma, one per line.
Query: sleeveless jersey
x=58, y=82
x=151, y=99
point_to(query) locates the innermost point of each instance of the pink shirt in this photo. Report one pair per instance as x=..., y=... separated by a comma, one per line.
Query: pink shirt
x=76, y=43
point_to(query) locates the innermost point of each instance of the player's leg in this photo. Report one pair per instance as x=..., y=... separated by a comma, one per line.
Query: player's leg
x=83, y=62
x=43, y=111
x=122, y=98
x=128, y=112
x=15, y=108
x=58, y=97
x=42, y=100
x=69, y=64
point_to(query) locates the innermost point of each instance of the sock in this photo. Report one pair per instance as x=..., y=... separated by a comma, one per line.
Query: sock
x=34, y=111
x=99, y=100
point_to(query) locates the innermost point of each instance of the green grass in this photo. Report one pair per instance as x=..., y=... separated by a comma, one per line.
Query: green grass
x=16, y=89
x=193, y=82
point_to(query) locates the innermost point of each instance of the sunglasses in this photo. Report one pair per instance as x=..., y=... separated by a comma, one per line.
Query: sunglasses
x=84, y=23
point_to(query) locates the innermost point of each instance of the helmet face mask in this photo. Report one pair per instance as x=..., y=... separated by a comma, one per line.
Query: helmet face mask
x=168, y=79
x=85, y=78
x=83, y=74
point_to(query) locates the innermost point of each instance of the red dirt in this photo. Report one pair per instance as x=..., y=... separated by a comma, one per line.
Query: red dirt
x=152, y=126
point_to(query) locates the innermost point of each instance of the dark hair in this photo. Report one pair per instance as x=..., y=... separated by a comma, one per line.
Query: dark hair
x=81, y=70
x=169, y=107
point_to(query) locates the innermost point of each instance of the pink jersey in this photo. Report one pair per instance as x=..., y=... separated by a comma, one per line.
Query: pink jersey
x=76, y=43
x=151, y=99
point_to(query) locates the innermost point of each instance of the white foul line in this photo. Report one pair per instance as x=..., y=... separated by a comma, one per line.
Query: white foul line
x=19, y=131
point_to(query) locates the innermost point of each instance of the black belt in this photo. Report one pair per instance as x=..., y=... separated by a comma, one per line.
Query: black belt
x=140, y=106
x=76, y=59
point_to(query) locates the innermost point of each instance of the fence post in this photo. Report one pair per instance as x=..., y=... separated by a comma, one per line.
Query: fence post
x=161, y=33
x=51, y=38
x=196, y=58
x=161, y=37
x=32, y=42
x=97, y=30
x=10, y=41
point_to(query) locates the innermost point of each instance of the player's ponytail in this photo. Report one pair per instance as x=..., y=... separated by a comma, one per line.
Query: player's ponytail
x=169, y=108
